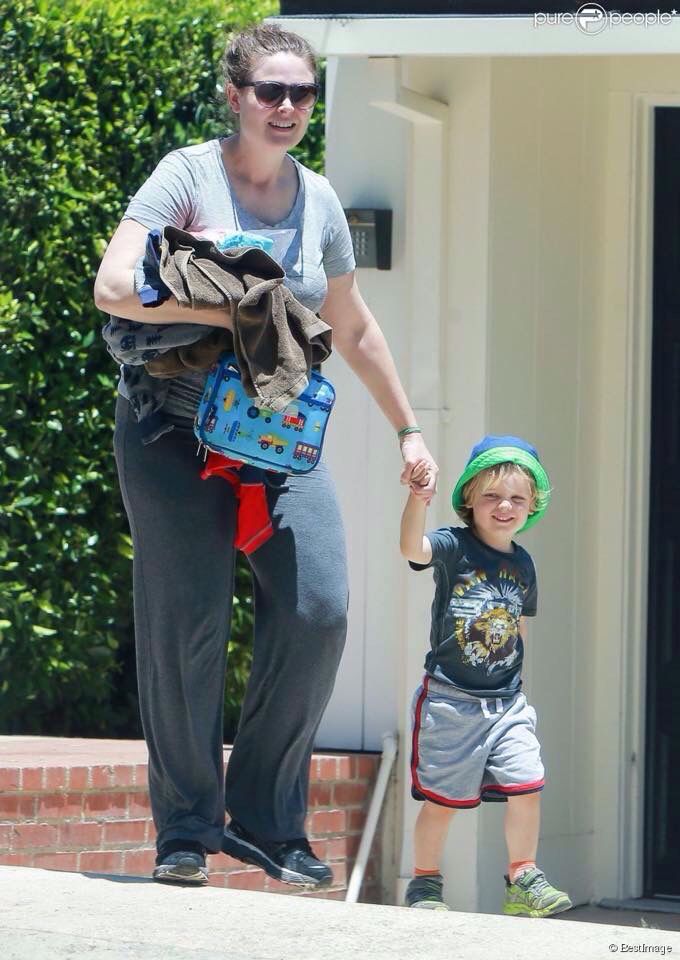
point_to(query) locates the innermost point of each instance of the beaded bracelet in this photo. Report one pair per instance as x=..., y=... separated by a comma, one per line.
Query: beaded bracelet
x=404, y=432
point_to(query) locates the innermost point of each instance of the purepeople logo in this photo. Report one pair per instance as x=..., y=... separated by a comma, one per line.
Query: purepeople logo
x=591, y=18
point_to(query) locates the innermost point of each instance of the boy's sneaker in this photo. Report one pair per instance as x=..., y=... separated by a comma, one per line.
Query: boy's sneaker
x=425, y=893
x=532, y=896
x=181, y=866
x=292, y=861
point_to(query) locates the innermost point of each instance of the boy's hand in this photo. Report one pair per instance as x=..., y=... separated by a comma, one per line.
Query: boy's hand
x=413, y=543
x=421, y=479
x=420, y=471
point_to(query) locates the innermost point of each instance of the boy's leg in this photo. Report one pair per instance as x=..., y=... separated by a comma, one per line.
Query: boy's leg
x=446, y=764
x=527, y=892
x=429, y=836
x=522, y=824
x=425, y=889
x=514, y=772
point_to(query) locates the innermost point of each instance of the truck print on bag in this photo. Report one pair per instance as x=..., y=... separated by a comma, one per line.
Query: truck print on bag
x=294, y=419
x=218, y=424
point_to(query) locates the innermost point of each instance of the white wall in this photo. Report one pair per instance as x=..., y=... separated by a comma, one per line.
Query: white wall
x=569, y=349
x=361, y=447
x=547, y=173
x=525, y=215
x=635, y=86
x=544, y=290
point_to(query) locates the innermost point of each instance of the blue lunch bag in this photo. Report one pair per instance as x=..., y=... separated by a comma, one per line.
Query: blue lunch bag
x=228, y=422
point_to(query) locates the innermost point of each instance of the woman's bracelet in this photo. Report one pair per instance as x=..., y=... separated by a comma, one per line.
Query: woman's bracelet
x=404, y=432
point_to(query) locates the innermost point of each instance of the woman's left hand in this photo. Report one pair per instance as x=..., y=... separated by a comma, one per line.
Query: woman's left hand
x=420, y=471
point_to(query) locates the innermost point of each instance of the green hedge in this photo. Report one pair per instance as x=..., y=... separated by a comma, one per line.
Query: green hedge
x=92, y=94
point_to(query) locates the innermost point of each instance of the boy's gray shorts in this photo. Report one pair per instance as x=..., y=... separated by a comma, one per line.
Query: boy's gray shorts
x=467, y=749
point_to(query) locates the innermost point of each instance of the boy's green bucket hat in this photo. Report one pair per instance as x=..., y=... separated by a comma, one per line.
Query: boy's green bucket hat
x=491, y=451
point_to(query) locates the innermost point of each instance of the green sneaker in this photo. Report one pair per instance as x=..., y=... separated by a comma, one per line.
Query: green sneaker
x=532, y=896
x=425, y=893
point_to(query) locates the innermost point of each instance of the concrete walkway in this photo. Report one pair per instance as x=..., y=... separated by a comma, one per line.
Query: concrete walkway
x=45, y=914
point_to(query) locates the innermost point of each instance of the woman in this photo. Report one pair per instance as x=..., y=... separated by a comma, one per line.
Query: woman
x=182, y=527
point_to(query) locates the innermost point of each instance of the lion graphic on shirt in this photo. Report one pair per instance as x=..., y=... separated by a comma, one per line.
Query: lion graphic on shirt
x=490, y=638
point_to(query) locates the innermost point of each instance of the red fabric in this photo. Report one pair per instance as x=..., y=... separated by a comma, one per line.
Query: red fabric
x=253, y=522
x=518, y=788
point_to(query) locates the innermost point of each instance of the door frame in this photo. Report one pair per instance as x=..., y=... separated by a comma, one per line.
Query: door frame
x=672, y=103
x=625, y=433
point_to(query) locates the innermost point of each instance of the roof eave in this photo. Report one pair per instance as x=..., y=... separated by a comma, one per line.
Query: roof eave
x=460, y=36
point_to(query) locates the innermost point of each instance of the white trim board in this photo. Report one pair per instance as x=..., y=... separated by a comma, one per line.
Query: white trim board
x=622, y=628
x=477, y=37
x=639, y=435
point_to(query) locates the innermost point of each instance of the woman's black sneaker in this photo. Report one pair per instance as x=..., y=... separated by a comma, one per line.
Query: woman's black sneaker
x=291, y=861
x=181, y=861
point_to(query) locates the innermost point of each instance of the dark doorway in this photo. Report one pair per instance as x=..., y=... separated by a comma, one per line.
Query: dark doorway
x=662, y=773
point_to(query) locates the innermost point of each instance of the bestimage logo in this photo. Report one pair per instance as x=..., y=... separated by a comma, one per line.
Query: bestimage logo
x=591, y=18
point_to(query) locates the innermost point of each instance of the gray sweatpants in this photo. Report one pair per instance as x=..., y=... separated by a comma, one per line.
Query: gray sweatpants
x=182, y=530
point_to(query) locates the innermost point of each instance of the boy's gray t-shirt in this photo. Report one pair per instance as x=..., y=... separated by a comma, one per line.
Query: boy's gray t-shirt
x=190, y=189
x=480, y=595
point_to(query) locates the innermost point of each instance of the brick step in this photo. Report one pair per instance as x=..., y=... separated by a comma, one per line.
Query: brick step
x=83, y=805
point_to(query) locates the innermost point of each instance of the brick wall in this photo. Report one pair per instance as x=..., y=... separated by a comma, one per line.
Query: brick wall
x=84, y=806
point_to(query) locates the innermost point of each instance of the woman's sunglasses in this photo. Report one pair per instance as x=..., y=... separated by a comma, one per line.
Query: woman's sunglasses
x=271, y=93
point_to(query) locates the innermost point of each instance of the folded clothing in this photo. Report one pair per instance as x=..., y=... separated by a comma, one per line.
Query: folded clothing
x=275, y=338
x=153, y=292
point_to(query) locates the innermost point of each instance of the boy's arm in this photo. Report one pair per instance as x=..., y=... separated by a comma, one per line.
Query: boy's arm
x=413, y=543
x=523, y=627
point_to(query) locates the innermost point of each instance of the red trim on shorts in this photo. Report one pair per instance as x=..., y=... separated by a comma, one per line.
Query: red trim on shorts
x=429, y=794
x=414, y=735
x=445, y=802
x=515, y=787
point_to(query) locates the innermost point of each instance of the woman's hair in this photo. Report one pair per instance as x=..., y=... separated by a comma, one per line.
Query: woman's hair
x=245, y=49
x=487, y=478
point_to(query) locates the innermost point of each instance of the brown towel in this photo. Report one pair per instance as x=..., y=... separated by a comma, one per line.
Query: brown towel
x=199, y=355
x=275, y=338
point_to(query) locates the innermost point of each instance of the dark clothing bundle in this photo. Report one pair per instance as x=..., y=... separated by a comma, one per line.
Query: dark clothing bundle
x=275, y=338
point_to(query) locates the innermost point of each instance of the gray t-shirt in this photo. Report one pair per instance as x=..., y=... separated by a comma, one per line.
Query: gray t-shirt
x=190, y=189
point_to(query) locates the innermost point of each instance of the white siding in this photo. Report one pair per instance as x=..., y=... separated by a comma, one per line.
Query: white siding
x=544, y=294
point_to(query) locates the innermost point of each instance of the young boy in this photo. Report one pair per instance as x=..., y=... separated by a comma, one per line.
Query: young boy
x=474, y=733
